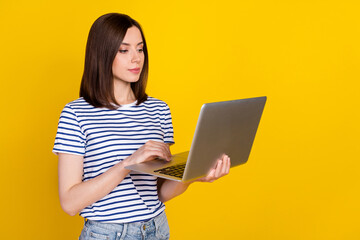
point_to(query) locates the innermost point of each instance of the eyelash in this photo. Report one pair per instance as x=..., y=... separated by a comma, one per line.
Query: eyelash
x=124, y=51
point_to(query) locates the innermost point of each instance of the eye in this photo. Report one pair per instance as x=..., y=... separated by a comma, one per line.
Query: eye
x=141, y=50
x=123, y=51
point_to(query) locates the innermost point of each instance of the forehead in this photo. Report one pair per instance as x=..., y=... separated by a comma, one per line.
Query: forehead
x=132, y=36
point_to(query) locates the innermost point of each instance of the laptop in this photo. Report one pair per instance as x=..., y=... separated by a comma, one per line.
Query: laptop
x=227, y=127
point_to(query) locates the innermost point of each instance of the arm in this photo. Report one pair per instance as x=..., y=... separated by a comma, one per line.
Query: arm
x=75, y=195
x=168, y=189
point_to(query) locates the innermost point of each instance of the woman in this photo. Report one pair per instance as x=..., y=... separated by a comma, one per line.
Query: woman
x=114, y=124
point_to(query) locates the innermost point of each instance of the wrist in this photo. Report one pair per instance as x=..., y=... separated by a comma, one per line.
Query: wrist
x=121, y=166
x=187, y=184
x=127, y=162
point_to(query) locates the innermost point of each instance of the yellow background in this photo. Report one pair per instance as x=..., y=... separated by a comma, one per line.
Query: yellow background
x=302, y=178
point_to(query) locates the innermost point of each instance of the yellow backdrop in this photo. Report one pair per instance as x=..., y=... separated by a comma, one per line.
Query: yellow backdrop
x=301, y=181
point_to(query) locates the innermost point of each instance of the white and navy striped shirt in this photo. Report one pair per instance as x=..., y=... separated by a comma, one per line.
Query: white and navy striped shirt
x=105, y=137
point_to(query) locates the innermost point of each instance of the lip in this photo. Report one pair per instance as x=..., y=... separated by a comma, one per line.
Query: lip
x=134, y=70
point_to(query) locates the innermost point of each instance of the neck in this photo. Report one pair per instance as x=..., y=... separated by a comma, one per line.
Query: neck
x=123, y=93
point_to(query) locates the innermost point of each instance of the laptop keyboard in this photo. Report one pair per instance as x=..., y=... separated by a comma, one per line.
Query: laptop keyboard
x=175, y=170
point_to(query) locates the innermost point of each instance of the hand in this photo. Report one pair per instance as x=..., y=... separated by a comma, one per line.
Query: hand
x=222, y=168
x=149, y=151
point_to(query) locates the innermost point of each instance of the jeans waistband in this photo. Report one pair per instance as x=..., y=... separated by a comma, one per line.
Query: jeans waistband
x=158, y=220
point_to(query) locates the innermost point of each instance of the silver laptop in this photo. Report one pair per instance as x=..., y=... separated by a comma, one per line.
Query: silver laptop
x=223, y=128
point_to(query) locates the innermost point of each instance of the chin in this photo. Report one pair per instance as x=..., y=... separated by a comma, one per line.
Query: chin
x=128, y=80
x=134, y=81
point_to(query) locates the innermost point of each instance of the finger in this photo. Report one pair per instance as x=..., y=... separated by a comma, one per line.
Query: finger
x=210, y=176
x=151, y=152
x=167, y=149
x=224, y=165
x=161, y=150
x=164, y=147
x=229, y=166
x=160, y=154
x=218, y=169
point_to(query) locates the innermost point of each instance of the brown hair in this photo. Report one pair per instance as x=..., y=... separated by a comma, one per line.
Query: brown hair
x=105, y=36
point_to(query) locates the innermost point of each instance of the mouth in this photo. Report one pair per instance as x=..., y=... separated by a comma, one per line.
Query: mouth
x=135, y=70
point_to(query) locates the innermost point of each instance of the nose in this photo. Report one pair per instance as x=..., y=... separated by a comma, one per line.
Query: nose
x=135, y=56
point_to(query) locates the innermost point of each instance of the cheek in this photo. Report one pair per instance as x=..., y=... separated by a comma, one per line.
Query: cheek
x=117, y=64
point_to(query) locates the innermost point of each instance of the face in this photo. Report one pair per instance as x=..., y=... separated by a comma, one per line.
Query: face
x=129, y=60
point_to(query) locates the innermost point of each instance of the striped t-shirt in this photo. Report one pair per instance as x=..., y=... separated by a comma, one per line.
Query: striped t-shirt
x=105, y=137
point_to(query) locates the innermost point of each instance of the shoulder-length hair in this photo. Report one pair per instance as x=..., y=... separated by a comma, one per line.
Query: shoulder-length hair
x=105, y=36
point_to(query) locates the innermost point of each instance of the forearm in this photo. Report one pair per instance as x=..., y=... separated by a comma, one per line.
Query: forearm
x=169, y=189
x=83, y=194
x=75, y=194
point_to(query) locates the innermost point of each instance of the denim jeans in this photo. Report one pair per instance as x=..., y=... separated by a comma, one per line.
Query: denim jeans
x=156, y=228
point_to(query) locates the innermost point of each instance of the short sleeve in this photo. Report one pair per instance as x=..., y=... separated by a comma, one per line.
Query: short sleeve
x=69, y=137
x=167, y=126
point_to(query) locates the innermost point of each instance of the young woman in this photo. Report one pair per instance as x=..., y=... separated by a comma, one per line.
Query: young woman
x=114, y=124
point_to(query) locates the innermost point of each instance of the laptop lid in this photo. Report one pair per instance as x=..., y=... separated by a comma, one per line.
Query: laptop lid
x=227, y=127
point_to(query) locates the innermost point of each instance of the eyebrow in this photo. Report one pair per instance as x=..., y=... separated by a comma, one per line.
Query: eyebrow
x=128, y=44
